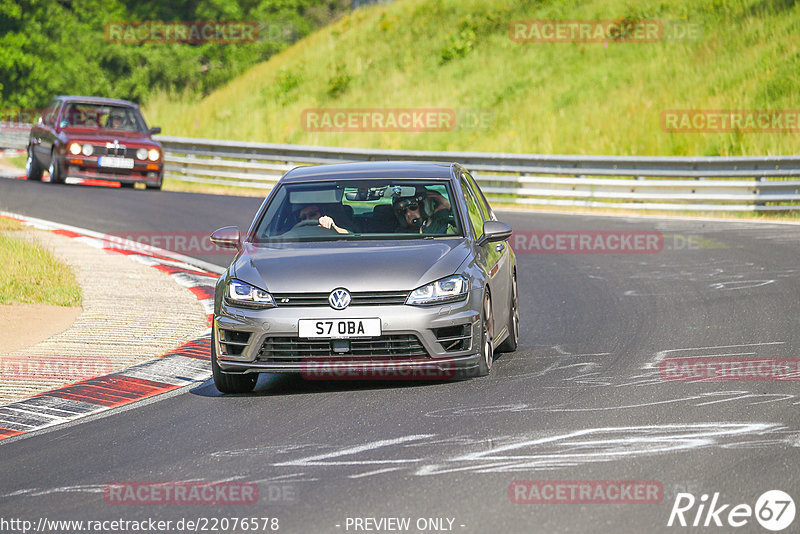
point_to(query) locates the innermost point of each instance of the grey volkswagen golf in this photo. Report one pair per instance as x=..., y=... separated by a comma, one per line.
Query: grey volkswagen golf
x=380, y=270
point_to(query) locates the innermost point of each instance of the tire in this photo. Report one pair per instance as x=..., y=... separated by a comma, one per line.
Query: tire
x=487, y=332
x=511, y=342
x=33, y=169
x=55, y=170
x=229, y=382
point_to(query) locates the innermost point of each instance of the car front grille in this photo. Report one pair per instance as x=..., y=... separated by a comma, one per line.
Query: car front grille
x=296, y=350
x=383, y=298
x=102, y=150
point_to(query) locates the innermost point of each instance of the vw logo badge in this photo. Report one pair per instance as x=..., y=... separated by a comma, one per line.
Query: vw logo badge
x=339, y=299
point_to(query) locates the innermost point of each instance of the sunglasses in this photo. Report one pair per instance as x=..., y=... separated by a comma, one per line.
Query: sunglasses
x=402, y=207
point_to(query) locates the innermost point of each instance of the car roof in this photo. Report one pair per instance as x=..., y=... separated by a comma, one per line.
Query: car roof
x=369, y=169
x=96, y=100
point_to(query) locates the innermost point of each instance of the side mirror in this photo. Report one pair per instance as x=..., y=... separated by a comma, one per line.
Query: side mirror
x=227, y=237
x=494, y=231
x=155, y=130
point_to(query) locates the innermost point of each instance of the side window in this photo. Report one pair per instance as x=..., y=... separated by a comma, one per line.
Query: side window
x=54, y=117
x=484, y=205
x=473, y=209
x=47, y=116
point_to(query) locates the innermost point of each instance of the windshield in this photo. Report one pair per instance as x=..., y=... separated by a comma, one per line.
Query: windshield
x=119, y=118
x=362, y=209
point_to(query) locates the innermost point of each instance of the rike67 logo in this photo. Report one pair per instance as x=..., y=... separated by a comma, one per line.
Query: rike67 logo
x=774, y=510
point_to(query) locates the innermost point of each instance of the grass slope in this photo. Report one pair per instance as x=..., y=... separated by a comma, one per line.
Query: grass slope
x=562, y=98
x=29, y=274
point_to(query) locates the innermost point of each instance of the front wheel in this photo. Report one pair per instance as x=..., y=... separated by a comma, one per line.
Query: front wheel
x=230, y=382
x=33, y=170
x=487, y=334
x=511, y=342
x=56, y=173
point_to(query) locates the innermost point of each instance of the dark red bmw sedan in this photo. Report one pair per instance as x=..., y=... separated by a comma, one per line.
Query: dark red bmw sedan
x=95, y=138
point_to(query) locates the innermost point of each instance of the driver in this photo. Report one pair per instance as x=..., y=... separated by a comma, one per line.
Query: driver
x=116, y=121
x=428, y=212
x=313, y=212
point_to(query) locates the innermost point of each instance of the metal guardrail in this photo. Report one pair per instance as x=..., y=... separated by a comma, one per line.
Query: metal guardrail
x=764, y=183
x=674, y=183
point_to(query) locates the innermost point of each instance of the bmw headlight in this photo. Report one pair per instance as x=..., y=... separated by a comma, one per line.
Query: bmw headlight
x=141, y=153
x=87, y=150
x=243, y=294
x=450, y=289
x=153, y=154
x=74, y=149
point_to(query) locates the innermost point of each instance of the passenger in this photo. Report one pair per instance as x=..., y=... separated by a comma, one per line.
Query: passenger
x=427, y=213
x=312, y=212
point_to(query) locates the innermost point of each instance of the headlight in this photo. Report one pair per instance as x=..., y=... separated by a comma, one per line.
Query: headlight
x=153, y=154
x=141, y=153
x=450, y=289
x=74, y=149
x=243, y=294
x=88, y=150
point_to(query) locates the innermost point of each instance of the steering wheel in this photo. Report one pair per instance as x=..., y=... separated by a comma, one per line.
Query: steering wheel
x=311, y=228
x=307, y=222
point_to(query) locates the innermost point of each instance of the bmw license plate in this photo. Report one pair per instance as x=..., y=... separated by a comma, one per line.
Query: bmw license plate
x=339, y=328
x=111, y=161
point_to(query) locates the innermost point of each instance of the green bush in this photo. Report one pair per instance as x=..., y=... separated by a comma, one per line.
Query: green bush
x=51, y=47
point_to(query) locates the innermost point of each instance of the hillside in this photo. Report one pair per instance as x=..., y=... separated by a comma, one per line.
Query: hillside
x=457, y=56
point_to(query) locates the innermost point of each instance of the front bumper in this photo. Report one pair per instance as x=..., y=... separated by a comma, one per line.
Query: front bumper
x=244, y=340
x=87, y=169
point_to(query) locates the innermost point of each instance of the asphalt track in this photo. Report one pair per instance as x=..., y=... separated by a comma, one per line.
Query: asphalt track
x=582, y=398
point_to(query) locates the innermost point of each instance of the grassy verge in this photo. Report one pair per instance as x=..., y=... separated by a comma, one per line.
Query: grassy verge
x=17, y=161
x=170, y=184
x=29, y=274
x=728, y=215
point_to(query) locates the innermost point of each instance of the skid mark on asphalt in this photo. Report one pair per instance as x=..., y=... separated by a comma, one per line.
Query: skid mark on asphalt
x=709, y=351
x=723, y=276
x=562, y=359
x=566, y=371
x=432, y=454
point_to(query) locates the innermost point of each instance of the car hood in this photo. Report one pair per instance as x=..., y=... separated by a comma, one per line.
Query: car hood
x=102, y=137
x=368, y=266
